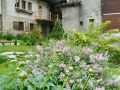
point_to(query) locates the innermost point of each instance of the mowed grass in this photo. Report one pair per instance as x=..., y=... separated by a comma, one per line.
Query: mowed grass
x=19, y=48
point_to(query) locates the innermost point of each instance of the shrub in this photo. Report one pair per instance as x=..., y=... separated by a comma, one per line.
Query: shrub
x=87, y=37
x=3, y=59
x=58, y=31
x=1, y=35
x=114, y=55
x=9, y=37
x=36, y=35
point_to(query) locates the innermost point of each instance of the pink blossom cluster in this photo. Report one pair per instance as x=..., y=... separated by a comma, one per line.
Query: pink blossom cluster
x=64, y=67
x=87, y=51
x=98, y=57
x=97, y=69
x=100, y=88
x=61, y=46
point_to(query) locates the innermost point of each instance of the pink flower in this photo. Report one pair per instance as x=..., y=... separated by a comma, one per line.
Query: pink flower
x=61, y=46
x=77, y=58
x=62, y=66
x=87, y=51
x=91, y=83
x=97, y=69
x=66, y=70
x=98, y=57
x=100, y=88
x=39, y=48
x=111, y=83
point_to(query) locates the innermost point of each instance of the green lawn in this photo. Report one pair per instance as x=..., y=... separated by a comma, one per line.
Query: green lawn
x=19, y=48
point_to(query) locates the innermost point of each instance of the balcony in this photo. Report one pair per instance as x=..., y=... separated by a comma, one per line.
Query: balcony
x=39, y=16
x=23, y=10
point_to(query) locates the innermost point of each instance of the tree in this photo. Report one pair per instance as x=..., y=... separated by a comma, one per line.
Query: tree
x=58, y=31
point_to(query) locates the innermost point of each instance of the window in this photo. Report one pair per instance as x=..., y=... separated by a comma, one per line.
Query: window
x=21, y=25
x=18, y=25
x=81, y=23
x=31, y=26
x=29, y=6
x=91, y=22
x=40, y=8
x=23, y=4
x=17, y=3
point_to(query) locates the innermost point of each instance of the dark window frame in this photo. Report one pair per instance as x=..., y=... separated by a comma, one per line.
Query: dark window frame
x=81, y=23
x=17, y=25
x=17, y=4
x=23, y=4
x=30, y=6
x=32, y=26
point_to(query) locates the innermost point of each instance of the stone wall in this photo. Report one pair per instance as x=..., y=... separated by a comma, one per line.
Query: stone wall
x=90, y=9
x=78, y=17
x=0, y=6
x=10, y=14
x=0, y=22
x=70, y=18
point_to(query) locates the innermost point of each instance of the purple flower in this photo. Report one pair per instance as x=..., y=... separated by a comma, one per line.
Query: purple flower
x=91, y=83
x=62, y=66
x=97, y=69
x=39, y=48
x=61, y=46
x=100, y=88
x=87, y=51
x=77, y=58
x=111, y=83
x=66, y=70
x=98, y=57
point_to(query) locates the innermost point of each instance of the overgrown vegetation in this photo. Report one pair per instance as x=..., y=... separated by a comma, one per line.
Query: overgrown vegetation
x=30, y=38
x=78, y=62
x=58, y=31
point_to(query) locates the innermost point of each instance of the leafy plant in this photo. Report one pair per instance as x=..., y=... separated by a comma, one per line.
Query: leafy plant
x=58, y=31
x=3, y=59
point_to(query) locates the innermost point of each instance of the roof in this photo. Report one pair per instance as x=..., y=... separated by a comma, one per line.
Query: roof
x=76, y=3
x=52, y=1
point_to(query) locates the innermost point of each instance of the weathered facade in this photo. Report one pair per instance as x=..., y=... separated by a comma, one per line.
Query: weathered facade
x=18, y=16
x=78, y=14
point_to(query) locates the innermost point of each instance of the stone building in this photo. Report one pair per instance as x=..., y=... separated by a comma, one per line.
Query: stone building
x=18, y=16
x=78, y=14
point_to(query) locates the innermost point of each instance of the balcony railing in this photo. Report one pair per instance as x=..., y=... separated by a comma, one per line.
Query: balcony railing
x=40, y=16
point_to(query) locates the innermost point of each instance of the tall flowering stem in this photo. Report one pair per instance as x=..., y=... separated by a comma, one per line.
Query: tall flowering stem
x=86, y=83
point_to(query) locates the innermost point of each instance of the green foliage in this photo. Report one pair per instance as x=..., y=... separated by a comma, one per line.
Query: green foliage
x=87, y=37
x=1, y=35
x=3, y=59
x=9, y=37
x=58, y=31
x=30, y=38
x=79, y=62
x=36, y=35
x=19, y=48
x=79, y=38
x=114, y=55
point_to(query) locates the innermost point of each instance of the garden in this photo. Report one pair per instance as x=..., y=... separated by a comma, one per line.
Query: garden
x=63, y=61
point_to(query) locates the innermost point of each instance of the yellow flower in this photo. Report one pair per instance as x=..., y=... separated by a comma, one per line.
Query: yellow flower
x=108, y=22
